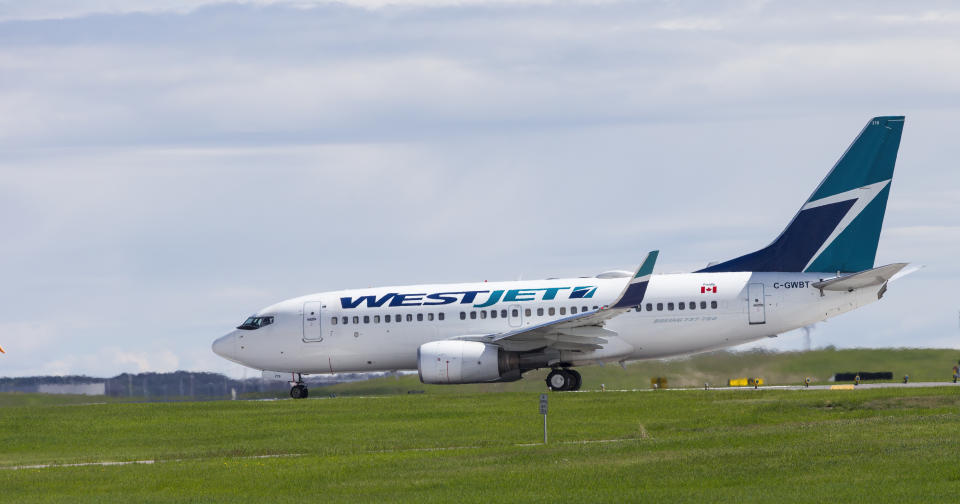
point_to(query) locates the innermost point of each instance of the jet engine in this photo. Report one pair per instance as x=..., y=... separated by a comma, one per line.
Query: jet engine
x=453, y=361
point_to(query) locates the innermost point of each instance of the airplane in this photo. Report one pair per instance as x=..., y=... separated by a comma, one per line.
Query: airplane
x=820, y=266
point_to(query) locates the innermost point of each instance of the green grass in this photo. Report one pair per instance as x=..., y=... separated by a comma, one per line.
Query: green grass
x=714, y=368
x=890, y=445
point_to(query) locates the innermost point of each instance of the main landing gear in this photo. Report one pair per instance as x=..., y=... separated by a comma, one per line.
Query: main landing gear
x=299, y=390
x=563, y=379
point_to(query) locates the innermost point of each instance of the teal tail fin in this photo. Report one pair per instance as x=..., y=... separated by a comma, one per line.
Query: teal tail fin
x=838, y=228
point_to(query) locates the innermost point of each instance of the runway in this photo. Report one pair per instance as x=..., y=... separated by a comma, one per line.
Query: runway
x=834, y=386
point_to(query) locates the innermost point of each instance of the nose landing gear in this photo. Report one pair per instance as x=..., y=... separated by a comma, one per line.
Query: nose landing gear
x=563, y=379
x=298, y=389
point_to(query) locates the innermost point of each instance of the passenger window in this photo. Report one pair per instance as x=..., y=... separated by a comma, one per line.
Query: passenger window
x=713, y=304
x=356, y=319
x=440, y=316
x=596, y=307
x=376, y=319
x=563, y=310
x=473, y=315
x=649, y=306
x=659, y=306
x=429, y=316
x=503, y=313
x=539, y=312
x=669, y=306
x=516, y=312
x=483, y=314
x=419, y=317
x=386, y=318
x=583, y=309
x=552, y=311
x=681, y=305
x=333, y=320
x=463, y=315
x=409, y=318
x=344, y=320
x=493, y=313
x=366, y=319
x=573, y=310
x=693, y=305
x=703, y=305
x=527, y=312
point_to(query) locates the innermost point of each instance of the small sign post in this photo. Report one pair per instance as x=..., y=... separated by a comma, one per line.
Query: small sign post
x=543, y=411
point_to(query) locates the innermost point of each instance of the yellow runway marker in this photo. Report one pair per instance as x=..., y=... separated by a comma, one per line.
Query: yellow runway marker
x=841, y=387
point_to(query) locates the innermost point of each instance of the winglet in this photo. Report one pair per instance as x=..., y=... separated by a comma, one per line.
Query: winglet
x=1, y=350
x=634, y=291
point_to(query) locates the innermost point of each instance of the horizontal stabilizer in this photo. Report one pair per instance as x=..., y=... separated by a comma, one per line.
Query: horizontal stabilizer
x=868, y=278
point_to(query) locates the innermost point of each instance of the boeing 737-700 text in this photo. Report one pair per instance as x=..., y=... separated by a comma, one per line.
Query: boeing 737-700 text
x=820, y=266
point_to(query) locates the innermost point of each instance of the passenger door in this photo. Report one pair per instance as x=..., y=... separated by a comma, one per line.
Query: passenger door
x=312, y=319
x=756, y=304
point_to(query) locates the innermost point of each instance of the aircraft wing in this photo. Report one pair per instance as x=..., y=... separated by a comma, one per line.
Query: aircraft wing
x=582, y=331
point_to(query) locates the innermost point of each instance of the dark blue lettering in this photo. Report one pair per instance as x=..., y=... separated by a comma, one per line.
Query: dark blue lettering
x=469, y=296
x=443, y=298
x=372, y=301
x=407, y=300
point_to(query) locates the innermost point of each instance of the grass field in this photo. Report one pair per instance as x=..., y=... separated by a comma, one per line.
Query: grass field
x=715, y=368
x=889, y=445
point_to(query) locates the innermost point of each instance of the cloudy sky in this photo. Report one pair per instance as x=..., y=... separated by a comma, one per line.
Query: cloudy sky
x=168, y=167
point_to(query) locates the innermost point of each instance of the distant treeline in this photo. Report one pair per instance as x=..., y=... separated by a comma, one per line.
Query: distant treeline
x=171, y=385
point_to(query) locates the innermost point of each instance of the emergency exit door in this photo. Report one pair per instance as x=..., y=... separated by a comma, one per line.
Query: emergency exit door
x=756, y=305
x=311, y=321
x=515, y=315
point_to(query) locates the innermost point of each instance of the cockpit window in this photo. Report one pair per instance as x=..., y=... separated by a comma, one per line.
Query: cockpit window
x=255, y=323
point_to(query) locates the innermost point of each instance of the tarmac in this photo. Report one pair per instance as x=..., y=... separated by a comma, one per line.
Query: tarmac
x=832, y=386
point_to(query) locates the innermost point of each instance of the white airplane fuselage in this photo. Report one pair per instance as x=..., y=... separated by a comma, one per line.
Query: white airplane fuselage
x=821, y=265
x=320, y=333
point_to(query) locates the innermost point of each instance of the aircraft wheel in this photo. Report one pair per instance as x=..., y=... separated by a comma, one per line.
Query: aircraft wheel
x=558, y=380
x=576, y=379
x=297, y=392
x=306, y=392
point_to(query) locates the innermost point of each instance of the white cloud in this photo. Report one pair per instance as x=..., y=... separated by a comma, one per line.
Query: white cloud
x=192, y=161
x=27, y=337
x=690, y=24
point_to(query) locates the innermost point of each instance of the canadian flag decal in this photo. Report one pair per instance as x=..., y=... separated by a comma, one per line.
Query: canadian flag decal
x=705, y=288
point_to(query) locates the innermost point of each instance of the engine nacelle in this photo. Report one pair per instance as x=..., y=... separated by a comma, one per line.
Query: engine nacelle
x=452, y=361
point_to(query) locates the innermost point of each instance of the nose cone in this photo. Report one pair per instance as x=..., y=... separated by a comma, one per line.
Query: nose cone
x=226, y=346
